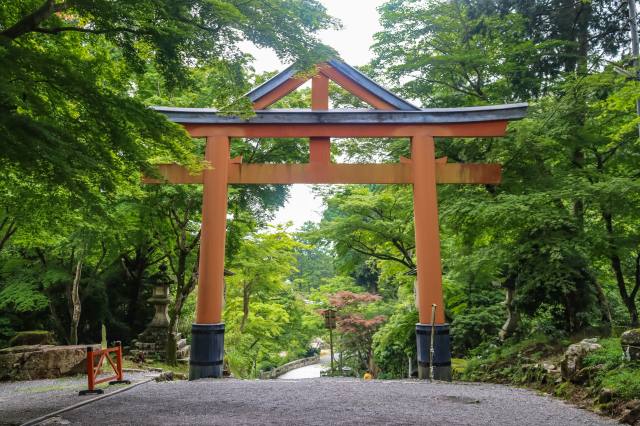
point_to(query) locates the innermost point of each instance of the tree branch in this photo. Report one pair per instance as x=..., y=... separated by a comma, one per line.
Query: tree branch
x=11, y=229
x=30, y=22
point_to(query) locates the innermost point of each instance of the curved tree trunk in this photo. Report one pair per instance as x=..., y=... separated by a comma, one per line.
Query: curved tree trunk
x=75, y=305
x=513, y=316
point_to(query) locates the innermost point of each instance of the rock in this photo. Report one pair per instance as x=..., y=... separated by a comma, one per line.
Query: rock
x=572, y=362
x=42, y=361
x=631, y=412
x=606, y=395
x=630, y=341
x=169, y=376
x=584, y=375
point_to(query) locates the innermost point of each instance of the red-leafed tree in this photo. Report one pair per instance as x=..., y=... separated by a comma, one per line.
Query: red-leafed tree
x=356, y=325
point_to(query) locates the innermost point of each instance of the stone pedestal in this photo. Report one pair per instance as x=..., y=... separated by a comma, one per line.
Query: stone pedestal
x=152, y=342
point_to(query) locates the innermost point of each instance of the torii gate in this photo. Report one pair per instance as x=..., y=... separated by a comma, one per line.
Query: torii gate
x=392, y=117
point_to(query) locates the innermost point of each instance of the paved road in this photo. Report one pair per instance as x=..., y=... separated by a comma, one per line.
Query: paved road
x=329, y=401
x=308, y=372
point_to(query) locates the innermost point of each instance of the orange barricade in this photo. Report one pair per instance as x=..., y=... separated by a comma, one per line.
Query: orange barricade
x=94, y=370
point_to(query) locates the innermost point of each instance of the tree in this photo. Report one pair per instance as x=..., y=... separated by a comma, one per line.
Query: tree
x=371, y=222
x=461, y=52
x=262, y=315
x=67, y=117
x=356, y=327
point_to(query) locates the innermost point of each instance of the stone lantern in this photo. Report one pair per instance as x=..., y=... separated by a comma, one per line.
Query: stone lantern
x=152, y=342
x=160, y=300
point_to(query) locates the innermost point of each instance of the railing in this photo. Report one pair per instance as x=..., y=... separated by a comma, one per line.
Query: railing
x=279, y=371
x=95, y=370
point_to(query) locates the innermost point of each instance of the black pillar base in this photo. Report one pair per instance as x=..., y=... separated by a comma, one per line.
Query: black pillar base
x=441, y=351
x=207, y=351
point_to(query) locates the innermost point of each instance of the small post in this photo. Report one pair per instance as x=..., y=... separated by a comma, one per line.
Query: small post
x=433, y=335
x=90, y=372
x=119, y=360
x=331, y=347
x=330, y=323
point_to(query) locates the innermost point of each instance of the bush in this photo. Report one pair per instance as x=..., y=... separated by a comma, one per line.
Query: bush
x=475, y=326
x=394, y=342
x=35, y=337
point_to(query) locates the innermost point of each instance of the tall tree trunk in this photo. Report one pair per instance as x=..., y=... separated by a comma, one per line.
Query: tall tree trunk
x=75, y=305
x=134, y=270
x=605, y=308
x=172, y=343
x=616, y=265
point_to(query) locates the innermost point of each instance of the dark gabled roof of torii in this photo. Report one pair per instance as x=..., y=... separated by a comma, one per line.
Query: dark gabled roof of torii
x=348, y=71
x=403, y=112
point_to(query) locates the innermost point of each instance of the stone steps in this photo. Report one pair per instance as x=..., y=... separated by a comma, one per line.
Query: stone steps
x=156, y=349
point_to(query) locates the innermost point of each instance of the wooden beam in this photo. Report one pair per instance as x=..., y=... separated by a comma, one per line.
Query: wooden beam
x=263, y=174
x=320, y=148
x=278, y=93
x=461, y=130
x=355, y=89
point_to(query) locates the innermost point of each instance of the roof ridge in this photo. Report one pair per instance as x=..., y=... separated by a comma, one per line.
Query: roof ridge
x=348, y=72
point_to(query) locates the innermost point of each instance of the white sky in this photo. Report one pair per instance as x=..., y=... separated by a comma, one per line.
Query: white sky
x=360, y=21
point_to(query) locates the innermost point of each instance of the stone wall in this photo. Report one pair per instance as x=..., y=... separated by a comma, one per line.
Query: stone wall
x=279, y=371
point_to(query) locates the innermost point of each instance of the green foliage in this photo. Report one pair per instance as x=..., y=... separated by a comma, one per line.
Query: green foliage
x=395, y=342
x=68, y=118
x=263, y=315
x=613, y=372
x=475, y=326
x=624, y=382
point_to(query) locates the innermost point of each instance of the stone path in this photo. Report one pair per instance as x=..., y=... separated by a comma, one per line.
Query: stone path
x=329, y=401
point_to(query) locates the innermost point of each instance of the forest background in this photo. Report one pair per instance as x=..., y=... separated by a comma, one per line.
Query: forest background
x=554, y=250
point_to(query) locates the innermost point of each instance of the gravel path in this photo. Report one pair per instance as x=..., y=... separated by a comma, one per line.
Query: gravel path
x=329, y=401
x=23, y=401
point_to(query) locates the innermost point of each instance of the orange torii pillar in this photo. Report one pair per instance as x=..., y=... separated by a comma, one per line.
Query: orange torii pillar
x=429, y=279
x=207, y=334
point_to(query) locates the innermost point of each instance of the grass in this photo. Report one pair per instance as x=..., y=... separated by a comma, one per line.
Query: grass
x=615, y=373
x=610, y=356
x=180, y=368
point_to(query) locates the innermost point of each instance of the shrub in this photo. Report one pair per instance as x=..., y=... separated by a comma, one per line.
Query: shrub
x=35, y=337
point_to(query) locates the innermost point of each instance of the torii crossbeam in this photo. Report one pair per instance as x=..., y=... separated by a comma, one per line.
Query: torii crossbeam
x=392, y=117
